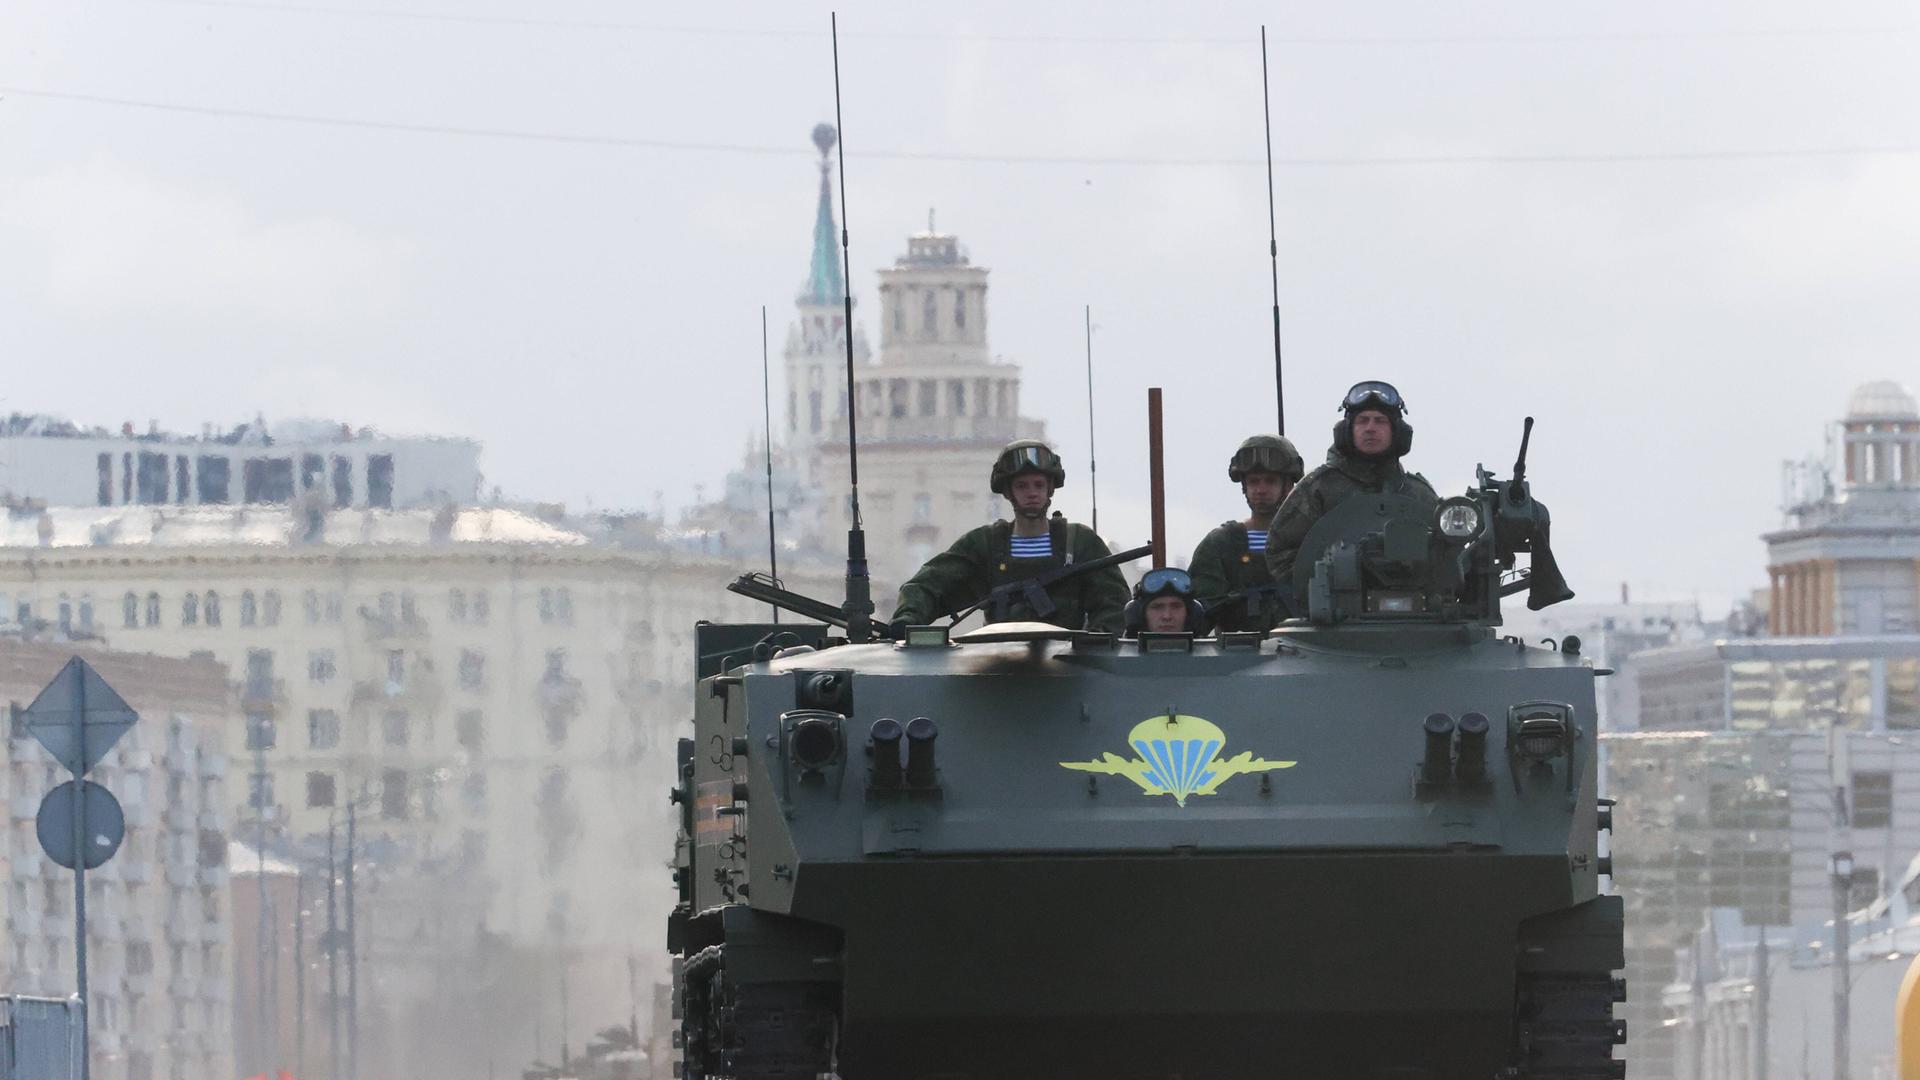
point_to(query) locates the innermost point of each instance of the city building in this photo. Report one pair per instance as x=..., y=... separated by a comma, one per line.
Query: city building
x=1847, y=560
x=47, y=461
x=934, y=409
x=158, y=921
x=493, y=693
x=1755, y=768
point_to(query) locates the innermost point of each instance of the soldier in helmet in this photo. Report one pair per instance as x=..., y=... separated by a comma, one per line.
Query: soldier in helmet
x=1164, y=603
x=1027, y=473
x=1368, y=443
x=1230, y=565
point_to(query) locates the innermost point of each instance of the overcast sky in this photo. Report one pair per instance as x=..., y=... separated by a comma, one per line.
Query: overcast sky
x=1678, y=234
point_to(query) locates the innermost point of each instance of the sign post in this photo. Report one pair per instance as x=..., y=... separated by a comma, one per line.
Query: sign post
x=78, y=718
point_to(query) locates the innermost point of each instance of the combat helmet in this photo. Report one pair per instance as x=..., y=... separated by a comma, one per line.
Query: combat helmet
x=1266, y=453
x=1024, y=456
x=1372, y=394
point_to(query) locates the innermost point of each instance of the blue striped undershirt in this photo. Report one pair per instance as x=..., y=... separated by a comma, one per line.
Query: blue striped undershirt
x=1032, y=547
x=1256, y=539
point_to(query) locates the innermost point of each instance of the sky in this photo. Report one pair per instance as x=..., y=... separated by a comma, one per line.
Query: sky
x=1676, y=234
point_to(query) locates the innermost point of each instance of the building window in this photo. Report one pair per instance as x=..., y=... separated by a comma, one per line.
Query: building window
x=929, y=314
x=213, y=608
x=457, y=605
x=260, y=732
x=393, y=794
x=959, y=309
x=65, y=616
x=126, y=477
x=105, y=494
x=310, y=603
x=267, y=480
x=395, y=727
x=333, y=607
x=320, y=666
x=409, y=614
x=259, y=674
x=470, y=729
x=249, y=608
x=929, y=396
x=182, y=489
x=323, y=729
x=213, y=477
x=313, y=471
x=342, y=483
x=957, y=398
x=190, y=610
x=563, y=605
x=473, y=669
x=86, y=616
x=153, y=609
x=130, y=610
x=546, y=605
x=319, y=789
x=380, y=481
x=922, y=509
x=899, y=316
x=151, y=483
x=473, y=792
x=396, y=670
x=260, y=790
x=480, y=607
x=1872, y=800
x=270, y=607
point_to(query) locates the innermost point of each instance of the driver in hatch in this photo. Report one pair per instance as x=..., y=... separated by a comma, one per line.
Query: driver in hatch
x=1027, y=472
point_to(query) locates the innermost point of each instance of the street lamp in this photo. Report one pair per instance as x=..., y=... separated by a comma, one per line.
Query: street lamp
x=1841, y=867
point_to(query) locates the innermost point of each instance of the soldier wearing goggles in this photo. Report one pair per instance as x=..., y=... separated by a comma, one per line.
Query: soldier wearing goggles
x=1368, y=443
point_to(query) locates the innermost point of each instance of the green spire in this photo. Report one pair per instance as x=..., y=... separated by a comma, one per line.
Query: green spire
x=825, y=284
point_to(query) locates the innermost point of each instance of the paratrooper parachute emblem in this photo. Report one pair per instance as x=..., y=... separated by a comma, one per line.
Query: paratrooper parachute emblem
x=1179, y=756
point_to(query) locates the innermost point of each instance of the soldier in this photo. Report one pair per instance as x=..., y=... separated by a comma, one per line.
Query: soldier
x=1027, y=472
x=1163, y=603
x=1368, y=444
x=1230, y=565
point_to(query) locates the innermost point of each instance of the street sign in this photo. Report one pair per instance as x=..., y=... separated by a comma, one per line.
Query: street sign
x=106, y=825
x=78, y=717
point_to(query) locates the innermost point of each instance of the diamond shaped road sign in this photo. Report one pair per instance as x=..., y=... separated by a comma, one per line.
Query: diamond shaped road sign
x=78, y=717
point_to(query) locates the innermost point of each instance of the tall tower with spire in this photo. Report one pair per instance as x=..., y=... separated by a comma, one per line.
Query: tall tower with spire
x=815, y=356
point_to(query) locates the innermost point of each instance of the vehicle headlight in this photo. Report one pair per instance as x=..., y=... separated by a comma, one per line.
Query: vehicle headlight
x=1458, y=519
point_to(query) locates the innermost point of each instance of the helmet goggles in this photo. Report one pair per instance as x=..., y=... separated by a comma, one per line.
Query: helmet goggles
x=1166, y=581
x=1373, y=394
x=1261, y=459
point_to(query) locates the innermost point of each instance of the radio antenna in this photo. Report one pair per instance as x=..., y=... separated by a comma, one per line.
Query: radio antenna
x=1093, y=469
x=858, y=607
x=1273, y=241
x=766, y=407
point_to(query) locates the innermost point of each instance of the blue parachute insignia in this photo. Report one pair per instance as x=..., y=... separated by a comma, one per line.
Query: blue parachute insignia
x=1177, y=755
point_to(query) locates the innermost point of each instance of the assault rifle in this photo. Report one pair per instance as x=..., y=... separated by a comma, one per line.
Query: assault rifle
x=757, y=586
x=1034, y=589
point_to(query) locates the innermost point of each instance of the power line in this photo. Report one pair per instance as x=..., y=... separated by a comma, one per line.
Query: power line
x=947, y=157
x=790, y=33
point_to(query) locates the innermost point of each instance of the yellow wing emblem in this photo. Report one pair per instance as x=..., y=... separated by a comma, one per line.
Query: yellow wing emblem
x=1177, y=755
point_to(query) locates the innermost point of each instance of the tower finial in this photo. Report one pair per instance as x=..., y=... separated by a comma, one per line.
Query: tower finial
x=824, y=136
x=824, y=281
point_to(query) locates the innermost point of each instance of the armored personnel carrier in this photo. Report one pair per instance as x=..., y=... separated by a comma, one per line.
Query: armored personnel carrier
x=1364, y=845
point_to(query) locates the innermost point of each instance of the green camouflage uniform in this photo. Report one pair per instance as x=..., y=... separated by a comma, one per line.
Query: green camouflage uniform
x=1222, y=567
x=980, y=560
x=1326, y=487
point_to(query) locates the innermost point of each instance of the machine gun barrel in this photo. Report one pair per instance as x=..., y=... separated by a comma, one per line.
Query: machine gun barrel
x=1039, y=582
x=765, y=590
x=1520, y=463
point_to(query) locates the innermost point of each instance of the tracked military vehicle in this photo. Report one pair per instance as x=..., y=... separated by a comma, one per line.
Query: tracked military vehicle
x=1363, y=845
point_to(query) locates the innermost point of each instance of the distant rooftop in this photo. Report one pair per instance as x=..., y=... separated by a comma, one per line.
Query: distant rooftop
x=1884, y=399
x=258, y=432
x=271, y=527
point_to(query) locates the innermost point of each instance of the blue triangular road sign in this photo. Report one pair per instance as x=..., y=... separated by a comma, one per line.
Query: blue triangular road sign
x=78, y=737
